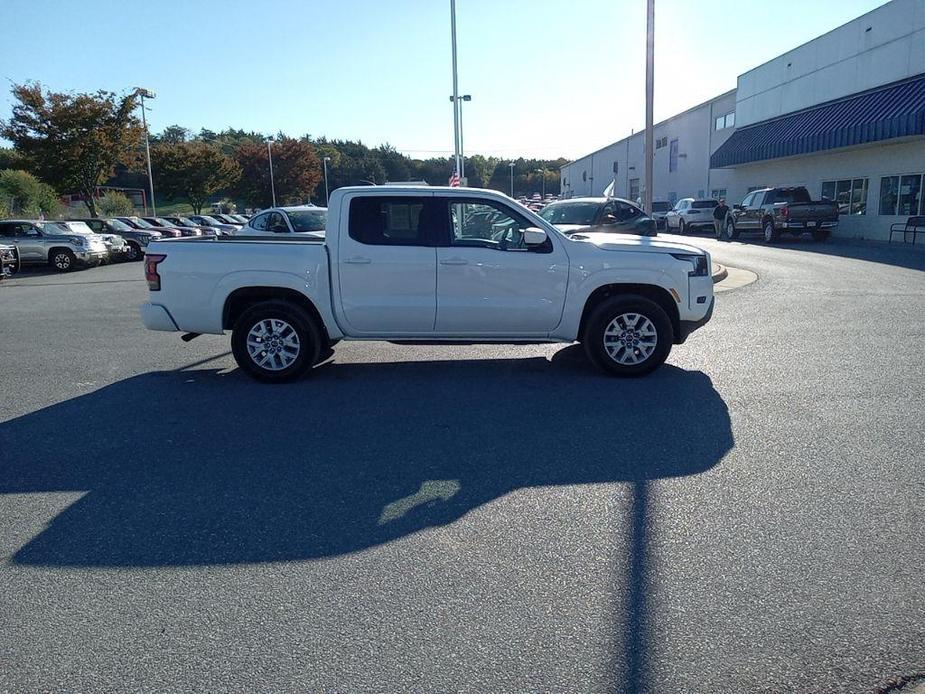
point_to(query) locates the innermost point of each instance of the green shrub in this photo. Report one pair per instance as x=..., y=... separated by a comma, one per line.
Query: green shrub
x=114, y=204
x=25, y=195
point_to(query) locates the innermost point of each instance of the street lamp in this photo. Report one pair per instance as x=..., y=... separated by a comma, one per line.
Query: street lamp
x=272, y=184
x=325, y=162
x=543, y=172
x=143, y=93
x=462, y=157
x=512, y=178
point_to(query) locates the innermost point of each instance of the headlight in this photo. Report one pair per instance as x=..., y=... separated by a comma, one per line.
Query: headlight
x=78, y=240
x=698, y=263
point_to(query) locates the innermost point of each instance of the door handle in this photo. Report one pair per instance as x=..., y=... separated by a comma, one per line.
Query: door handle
x=454, y=261
x=357, y=260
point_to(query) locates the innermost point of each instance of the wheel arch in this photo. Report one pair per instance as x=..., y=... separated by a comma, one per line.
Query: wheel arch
x=659, y=295
x=242, y=298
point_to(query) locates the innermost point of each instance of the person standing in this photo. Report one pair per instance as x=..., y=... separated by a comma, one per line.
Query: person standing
x=719, y=217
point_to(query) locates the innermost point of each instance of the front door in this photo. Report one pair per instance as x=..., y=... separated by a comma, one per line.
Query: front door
x=488, y=282
x=386, y=265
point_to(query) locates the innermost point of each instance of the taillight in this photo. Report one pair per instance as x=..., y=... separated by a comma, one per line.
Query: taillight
x=154, y=279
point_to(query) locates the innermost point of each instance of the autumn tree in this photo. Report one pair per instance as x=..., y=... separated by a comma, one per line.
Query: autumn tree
x=192, y=171
x=73, y=141
x=296, y=172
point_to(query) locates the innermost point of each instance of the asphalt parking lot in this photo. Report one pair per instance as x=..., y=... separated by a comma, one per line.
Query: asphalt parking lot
x=484, y=518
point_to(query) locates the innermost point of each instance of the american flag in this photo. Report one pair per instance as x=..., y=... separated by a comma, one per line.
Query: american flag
x=454, y=181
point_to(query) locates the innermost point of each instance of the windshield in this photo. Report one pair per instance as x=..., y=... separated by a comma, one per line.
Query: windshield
x=239, y=218
x=160, y=221
x=119, y=225
x=142, y=223
x=77, y=227
x=183, y=222
x=209, y=221
x=304, y=220
x=571, y=213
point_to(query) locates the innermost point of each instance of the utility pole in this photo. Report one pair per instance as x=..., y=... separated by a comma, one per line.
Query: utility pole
x=272, y=184
x=325, y=162
x=512, y=178
x=455, y=89
x=142, y=93
x=650, y=85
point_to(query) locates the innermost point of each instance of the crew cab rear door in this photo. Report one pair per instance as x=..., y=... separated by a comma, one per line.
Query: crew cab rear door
x=489, y=283
x=386, y=265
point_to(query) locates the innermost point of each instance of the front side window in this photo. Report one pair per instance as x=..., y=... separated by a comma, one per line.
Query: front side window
x=259, y=222
x=308, y=220
x=486, y=225
x=747, y=202
x=388, y=221
x=277, y=223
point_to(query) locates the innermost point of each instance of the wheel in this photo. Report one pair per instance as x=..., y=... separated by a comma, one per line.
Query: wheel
x=628, y=336
x=62, y=260
x=771, y=234
x=820, y=236
x=682, y=227
x=275, y=341
x=134, y=252
x=731, y=231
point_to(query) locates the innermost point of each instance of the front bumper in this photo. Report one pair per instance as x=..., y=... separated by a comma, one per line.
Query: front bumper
x=156, y=317
x=94, y=256
x=689, y=326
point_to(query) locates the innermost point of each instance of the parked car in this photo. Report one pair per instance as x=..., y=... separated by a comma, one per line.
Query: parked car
x=614, y=215
x=226, y=219
x=239, y=218
x=116, y=246
x=420, y=263
x=209, y=221
x=306, y=220
x=689, y=214
x=772, y=211
x=139, y=223
x=136, y=239
x=50, y=243
x=9, y=261
x=187, y=223
x=163, y=223
x=659, y=209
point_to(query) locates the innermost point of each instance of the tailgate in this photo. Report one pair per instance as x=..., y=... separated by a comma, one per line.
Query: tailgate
x=818, y=211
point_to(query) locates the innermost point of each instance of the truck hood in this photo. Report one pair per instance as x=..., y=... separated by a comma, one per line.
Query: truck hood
x=630, y=242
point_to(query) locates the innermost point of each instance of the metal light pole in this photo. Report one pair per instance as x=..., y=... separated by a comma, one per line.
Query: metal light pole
x=543, y=172
x=272, y=184
x=325, y=162
x=650, y=85
x=512, y=178
x=462, y=155
x=143, y=93
x=455, y=96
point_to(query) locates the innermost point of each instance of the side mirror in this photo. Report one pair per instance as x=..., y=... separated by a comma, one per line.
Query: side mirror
x=534, y=236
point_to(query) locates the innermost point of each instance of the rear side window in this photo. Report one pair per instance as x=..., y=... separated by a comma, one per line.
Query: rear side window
x=791, y=195
x=390, y=221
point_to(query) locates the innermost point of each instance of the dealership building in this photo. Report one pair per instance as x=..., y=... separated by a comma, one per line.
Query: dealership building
x=843, y=115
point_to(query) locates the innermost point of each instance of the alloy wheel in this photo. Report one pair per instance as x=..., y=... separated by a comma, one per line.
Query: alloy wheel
x=630, y=339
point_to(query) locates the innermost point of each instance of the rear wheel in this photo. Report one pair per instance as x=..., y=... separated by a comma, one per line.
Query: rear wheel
x=628, y=336
x=62, y=260
x=275, y=341
x=682, y=227
x=134, y=252
x=771, y=234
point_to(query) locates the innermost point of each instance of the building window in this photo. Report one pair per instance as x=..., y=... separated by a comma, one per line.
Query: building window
x=725, y=121
x=584, y=176
x=634, y=189
x=910, y=194
x=661, y=142
x=718, y=193
x=673, y=156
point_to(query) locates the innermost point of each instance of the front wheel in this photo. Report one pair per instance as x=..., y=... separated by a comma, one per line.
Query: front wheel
x=275, y=341
x=682, y=227
x=628, y=336
x=63, y=260
x=134, y=252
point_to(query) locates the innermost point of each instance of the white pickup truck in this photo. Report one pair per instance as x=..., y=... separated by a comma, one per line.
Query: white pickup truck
x=427, y=264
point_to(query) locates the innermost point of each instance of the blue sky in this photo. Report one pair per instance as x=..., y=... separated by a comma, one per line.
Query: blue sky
x=548, y=78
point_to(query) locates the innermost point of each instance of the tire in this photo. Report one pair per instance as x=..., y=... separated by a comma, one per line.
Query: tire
x=682, y=227
x=621, y=316
x=820, y=236
x=62, y=260
x=771, y=233
x=293, y=333
x=135, y=252
x=732, y=232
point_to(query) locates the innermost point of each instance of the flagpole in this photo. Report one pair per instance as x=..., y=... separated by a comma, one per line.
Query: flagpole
x=455, y=87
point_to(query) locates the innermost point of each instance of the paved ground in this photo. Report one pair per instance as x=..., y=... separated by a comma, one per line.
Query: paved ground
x=750, y=518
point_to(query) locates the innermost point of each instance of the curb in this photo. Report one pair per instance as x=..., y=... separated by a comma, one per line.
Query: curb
x=719, y=273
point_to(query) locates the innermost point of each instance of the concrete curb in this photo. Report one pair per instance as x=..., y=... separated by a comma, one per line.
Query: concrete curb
x=719, y=273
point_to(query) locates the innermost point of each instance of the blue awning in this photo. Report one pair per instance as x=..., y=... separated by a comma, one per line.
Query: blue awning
x=894, y=111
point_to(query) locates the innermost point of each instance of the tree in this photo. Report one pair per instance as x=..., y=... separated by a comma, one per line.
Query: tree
x=172, y=135
x=192, y=171
x=11, y=159
x=24, y=194
x=296, y=172
x=114, y=204
x=73, y=141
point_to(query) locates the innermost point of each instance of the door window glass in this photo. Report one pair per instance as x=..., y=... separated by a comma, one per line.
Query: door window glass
x=486, y=225
x=388, y=221
x=259, y=222
x=276, y=223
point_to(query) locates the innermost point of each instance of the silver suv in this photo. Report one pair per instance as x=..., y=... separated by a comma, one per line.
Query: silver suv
x=48, y=243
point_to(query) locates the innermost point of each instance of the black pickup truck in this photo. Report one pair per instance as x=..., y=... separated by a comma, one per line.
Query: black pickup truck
x=773, y=211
